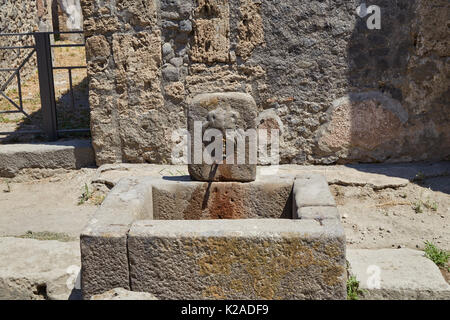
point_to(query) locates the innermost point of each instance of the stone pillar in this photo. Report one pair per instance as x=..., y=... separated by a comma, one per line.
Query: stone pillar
x=44, y=15
x=68, y=17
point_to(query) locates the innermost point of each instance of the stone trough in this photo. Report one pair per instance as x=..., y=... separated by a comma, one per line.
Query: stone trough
x=227, y=235
x=277, y=237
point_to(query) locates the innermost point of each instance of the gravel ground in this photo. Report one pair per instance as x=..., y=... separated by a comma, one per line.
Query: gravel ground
x=396, y=218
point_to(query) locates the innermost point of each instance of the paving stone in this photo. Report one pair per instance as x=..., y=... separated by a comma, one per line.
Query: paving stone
x=404, y=274
x=38, y=270
x=378, y=176
x=312, y=190
x=123, y=294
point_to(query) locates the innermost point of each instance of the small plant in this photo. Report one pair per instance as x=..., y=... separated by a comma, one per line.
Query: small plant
x=85, y=196
x=98, y=200
x=438, y=256
x=431, y=205
x=3, y=119
x=418, y=206
x=353, y=290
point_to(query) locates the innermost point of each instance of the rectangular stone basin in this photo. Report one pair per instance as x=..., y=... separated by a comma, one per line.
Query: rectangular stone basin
x=274, y=238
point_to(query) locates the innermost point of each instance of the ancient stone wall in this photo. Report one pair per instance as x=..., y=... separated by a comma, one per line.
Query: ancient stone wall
x=21, y=16
x=338, y=91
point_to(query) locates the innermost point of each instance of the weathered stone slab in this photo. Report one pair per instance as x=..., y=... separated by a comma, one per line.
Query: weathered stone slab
x=403, y=274
x=221, y=111
x=374, y=175
x=311, y=190
x=123, y=294
x=104, y=260
x=187, y=200
x=211, y=32
x=238, y=259
x=73, y=154
x=317, y=213
x=362, y=120
x=38, y=270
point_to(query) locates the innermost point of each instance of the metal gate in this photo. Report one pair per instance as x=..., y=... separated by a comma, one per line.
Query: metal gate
x=43, y=49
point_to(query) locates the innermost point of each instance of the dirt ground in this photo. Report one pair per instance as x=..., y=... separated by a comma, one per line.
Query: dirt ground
x=393, y=218
x=34, y=202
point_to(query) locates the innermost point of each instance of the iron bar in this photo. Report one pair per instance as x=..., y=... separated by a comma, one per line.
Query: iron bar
x=3, y=88
x=46, y=84
x=22, y=132
x=67, y=32
x=10, y=100
x=73, y=130
x=13, y=34
x=16, y=34
x=71, y=89
x=69, y=67
x=19, y=89
x=68, y=45
x=19, y=109
x=10, y=111
x=16, y=47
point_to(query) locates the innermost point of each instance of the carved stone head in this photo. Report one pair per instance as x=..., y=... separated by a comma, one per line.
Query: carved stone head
x=223, y=112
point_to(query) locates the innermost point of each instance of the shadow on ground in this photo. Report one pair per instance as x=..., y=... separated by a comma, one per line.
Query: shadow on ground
x=432, y=175
x=72, y=113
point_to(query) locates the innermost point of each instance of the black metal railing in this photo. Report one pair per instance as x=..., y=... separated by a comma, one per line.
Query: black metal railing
x=43, y=49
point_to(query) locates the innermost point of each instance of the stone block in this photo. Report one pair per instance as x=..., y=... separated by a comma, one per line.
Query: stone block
x=222, y=111
x=211, y=41
x=73, y=154
x=238, y=259
x=311, y=190
x=397, y=274
x=317, y=213
x=104, y=260
x=104, y=253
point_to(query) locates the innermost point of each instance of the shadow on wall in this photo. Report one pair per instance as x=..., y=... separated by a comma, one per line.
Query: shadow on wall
x=397, y=107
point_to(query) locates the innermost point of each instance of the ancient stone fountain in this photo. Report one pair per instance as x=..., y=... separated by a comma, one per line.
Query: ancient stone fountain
x=225, y=232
